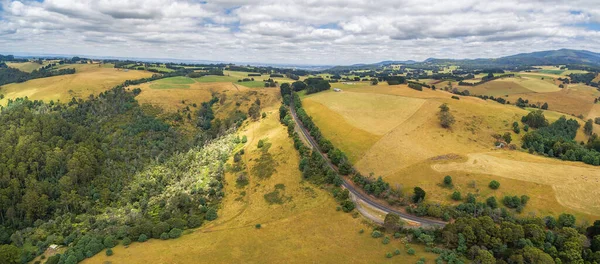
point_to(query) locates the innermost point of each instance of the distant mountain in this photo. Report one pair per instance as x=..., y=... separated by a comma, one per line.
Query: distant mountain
x=548, y=57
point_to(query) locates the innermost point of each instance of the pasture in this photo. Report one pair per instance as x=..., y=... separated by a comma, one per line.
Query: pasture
x=88, y=80
x=304, y=228
x=414, y=149
x=27, y=66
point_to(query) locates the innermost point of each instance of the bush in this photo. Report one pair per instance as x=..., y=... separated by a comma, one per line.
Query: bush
x=260, y=143
x=257, y=226
x=109, y=241
x=126, y=241
x=347, y=206
x=410, y=251
x=376, y=234
x=491, y=202
x=389, y=255
x=448, y=180
x=142, y=238
x=211, y=214
x=494, y=185
x=456, y=196
x=194, y=221
x=244, y=139
x=419, y=195
x=109, y=252
x=386, y=240
x=164, y=236
x=175, y=233
x=397, y=252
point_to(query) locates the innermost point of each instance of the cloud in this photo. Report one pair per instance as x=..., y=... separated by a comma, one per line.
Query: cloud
x=304, y=31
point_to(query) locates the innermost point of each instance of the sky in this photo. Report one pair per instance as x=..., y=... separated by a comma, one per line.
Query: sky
x=316, y=32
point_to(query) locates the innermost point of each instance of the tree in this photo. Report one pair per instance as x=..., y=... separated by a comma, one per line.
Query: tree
x=491, y=202
x=456, y=196
x=109, y=252
x=545, y=106
x=448, y=180
x=392, y=222
x=566, y=220
x=494, y=185
x=588, y=128
x=142, y=238
x=419, y=195
x=126, y=241
x=10, y=254
x=535, y=119
x=175, y=233
x=446, y=118
x=507, y=137
x=484, y=257
x=211, y=214
x=254, y=111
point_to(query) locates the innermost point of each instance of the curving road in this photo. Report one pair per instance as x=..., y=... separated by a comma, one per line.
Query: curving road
x=424, y=222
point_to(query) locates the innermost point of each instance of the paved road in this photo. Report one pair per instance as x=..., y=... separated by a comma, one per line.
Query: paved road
x=424, y=222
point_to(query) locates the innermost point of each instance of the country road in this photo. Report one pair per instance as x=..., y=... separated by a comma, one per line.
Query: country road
x=424, y=222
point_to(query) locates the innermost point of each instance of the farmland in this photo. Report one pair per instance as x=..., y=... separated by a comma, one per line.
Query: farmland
x=304, y=228
x=408, y=147
x=88, y=80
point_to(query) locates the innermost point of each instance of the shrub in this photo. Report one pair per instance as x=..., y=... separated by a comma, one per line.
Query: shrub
x=494, y=185
x=448, y=180
x=175, y=233
x=397, y=252
x=109, y=252
x=257, y=226
x=126, y=241
x=386, y=240
x=491, y=202
x=347, y=206
x=109, y=241
x=260, y=143
x=410, y=251
x=566, y=220
x=244, y=139
x=456, y=196
x=264, y=115
x=455, y=97
x=211, y=214
x=164, y=236
x=194, y=221
x=361, y=231
x=396, y=235
x=376, y=234
x=142, y=238
x=389, y=255
x=419, y=195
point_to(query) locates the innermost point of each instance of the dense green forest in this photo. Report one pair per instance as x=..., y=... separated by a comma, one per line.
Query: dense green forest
x=91, y=172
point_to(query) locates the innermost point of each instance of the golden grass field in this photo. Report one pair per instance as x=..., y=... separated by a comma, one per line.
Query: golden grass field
x=417, y=150
x=27, y=66
x=89, y=79
x=305, y=229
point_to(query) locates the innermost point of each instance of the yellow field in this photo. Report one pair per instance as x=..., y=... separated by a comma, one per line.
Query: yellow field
x=88, y=80
x=26, y=66
x=517, y=85
x=417, y=144
x=574, y=184
x=305, y=229
x=376, y=114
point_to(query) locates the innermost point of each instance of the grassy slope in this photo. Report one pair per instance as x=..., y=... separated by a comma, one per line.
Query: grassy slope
x=404, y=155
x=89, y=79
x=305, y=229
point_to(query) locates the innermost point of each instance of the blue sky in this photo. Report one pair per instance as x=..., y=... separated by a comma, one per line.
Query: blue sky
x=297, y=32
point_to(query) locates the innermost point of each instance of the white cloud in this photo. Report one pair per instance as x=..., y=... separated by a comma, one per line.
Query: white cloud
x=306, y=31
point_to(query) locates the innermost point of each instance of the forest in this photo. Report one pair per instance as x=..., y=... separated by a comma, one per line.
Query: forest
x=90, y=172
x=12, y=75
